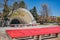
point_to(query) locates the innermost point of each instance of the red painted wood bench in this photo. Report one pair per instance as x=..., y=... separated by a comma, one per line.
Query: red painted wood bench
x=17, y=33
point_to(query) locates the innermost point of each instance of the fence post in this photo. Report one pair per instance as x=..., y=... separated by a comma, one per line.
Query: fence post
x=58, y=36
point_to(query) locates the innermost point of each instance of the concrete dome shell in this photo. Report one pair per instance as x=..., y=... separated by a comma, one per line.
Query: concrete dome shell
x=23, y=15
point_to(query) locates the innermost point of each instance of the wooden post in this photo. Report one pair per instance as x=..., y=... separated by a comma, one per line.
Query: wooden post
x=58, y=36
x=39, y=37
x=14, y=39
x=35, y=37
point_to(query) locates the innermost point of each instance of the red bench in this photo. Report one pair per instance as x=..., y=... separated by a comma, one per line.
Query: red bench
x=17, y=33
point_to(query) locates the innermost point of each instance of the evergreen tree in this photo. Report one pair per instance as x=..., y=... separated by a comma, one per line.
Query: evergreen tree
x=22, y=4
x=34, y=12
x=15, y=5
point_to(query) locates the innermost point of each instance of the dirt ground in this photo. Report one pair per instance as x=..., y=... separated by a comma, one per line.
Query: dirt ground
x=53, y=39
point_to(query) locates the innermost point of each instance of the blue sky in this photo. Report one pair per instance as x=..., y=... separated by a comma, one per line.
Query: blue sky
x=53, y=5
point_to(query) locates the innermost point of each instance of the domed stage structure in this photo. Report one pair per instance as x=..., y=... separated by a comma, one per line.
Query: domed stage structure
x=21, y=16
